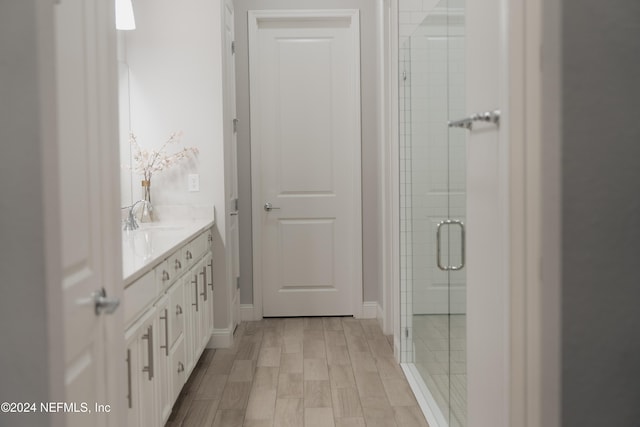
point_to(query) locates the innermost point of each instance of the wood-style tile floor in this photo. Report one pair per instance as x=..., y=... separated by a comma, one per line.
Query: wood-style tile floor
x=299, y=372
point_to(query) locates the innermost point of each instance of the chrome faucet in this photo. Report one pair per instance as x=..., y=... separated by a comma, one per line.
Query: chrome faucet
x=130, y=222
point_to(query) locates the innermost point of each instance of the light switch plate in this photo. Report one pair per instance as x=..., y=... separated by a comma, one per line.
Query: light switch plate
x=193, y=182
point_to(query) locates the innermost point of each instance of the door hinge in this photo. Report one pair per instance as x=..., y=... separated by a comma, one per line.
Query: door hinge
x=233, y=47
x=406, y=332
x=235, y=204
x=238, y=282
x=235, y=125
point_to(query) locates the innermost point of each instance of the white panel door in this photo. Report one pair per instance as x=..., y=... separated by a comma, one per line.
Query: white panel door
x=305, y=145
x=89, y=201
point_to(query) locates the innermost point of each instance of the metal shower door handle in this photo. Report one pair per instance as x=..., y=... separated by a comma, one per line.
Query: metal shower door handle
x=462, y=245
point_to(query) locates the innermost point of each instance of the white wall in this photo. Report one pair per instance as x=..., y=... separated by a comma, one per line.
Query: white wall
x=370, y=136
x=176, y=85
x=176, y=79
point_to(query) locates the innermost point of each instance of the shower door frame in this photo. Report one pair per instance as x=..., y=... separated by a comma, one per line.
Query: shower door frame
x=534, y=395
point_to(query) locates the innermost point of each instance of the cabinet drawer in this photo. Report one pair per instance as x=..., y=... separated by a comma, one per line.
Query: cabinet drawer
x=177, y=312
x=200, y=245
x=169, y=270
x=177, y=368
x=138, y=296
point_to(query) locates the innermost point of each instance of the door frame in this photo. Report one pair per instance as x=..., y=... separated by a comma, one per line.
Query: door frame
x=254, y=16
x=532, y=353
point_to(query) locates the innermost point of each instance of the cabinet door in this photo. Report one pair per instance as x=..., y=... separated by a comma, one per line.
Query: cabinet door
x=193, y=315
x=204, y=294
x=207, y=267
x=141, y=371
x=176, y=312
x=162, y=360
x=178, y=367
x=147, y=371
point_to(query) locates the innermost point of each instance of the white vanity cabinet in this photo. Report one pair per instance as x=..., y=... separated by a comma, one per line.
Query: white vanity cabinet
x=169, y=321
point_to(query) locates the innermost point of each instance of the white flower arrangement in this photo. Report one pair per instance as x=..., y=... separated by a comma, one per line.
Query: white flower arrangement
x=149, y=161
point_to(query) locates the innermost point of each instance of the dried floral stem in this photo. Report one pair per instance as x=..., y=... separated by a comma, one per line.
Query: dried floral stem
x=150, y=161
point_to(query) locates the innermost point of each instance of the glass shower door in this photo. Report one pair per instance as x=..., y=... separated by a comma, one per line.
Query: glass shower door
x=433, y=209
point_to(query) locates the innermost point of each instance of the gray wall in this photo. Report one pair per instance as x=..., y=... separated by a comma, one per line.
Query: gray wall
x=600, y=178
x=370, y=161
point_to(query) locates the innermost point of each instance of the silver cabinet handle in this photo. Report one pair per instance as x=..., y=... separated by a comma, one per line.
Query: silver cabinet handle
x=269, y=207
x=234, y=213
x=204, y=283
x=149, y=337
x=165, y=275
x=178, y=310
x=104, y=304
x=195, y=282
x=178, y=265
x=166, y=331
x=462, y=239
x=129, y=393
x=211, y=277
x=180, y=367
x=189, y=255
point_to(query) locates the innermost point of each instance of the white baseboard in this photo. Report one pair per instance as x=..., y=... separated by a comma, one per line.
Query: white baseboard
x=221, y=338
x=247, y=313
x=369, y=309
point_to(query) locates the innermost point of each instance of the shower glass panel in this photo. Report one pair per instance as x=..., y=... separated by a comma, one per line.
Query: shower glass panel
x=433, y=208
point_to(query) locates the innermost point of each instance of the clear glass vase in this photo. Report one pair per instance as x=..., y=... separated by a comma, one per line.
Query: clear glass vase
x=147, y=208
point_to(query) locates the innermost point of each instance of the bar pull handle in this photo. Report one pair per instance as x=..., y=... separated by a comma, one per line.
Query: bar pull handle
x=204, y=283
x=211, y=276
x=166, y=331
x=129, y=392
x=149, y=337
x=195, y=282
x=462, y=245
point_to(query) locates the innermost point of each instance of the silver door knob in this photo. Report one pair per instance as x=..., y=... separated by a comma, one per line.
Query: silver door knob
x=269, y=207
x=104, y=304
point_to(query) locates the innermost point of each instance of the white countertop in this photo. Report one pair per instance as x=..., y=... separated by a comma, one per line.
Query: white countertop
x=144, y=248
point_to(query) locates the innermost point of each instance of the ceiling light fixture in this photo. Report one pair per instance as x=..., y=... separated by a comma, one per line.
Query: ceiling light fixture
x=124, y=15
